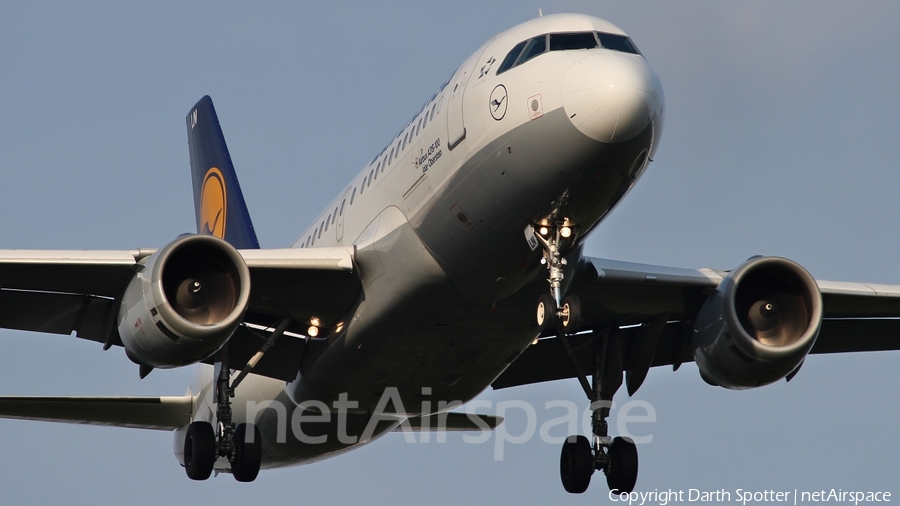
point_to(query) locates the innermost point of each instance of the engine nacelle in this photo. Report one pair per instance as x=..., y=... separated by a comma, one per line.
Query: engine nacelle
x=185, y=303
x=759, y=325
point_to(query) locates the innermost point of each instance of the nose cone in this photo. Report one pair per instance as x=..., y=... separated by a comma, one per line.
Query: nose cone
x=612, y=97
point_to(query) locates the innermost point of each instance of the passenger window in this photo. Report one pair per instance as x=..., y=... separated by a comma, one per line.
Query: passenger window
x=509, y=60
x=617, y=43
x=432, y=110
x=536, y=47
x=565, y=41
x=342, y=206
x=370, y=177
x=362, y=187
x=334, y=215
x=314, y=237
x=391, y=159
x=376, y=170
x=319, y=235
x=327, y=220
x=352, y=195
x=383, y=164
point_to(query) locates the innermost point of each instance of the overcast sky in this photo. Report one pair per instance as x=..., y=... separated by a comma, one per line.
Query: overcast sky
x=780, y=139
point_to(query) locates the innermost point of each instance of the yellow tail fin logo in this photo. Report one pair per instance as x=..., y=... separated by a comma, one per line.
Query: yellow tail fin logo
x=213, y=204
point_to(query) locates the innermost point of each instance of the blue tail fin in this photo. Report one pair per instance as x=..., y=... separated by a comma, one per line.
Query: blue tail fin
x=218, y=202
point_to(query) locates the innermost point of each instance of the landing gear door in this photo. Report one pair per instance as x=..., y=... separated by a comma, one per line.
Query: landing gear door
x=456, y=128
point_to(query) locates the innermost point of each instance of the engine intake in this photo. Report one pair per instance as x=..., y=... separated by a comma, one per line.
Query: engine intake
x=185, y=303
x=759, y=325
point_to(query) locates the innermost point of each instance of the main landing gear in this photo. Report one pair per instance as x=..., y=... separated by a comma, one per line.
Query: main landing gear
x=616, y=457
x=203, y=444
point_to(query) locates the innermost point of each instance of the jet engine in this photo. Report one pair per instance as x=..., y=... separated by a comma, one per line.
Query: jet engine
x=759, y=325
x=184, y=303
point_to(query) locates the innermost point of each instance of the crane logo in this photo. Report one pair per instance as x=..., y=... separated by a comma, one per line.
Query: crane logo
x=213, y=204
x=498, y=102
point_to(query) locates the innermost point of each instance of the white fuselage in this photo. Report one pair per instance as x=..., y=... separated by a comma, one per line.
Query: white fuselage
x=436, y=220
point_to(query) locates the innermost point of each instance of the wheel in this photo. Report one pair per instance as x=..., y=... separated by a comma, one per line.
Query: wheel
x=576, y=464
x=623, y=465
x=247, y=455
x=546, y=313
x=571, y=314
x=199, y=451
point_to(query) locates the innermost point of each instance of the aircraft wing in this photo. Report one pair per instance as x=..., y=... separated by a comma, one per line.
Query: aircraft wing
x=66, y=292
x=634, y=297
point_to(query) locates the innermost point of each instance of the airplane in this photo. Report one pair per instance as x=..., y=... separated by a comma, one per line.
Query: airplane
x=451, y=240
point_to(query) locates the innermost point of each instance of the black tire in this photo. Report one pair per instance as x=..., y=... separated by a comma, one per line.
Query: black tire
x=247, y=455
x=199, y=451
x=571, y=319
x=576, y=464
x=623, y=465
x=546, y=314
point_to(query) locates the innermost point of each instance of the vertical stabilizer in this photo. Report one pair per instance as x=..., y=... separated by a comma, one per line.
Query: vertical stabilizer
x=218, y=202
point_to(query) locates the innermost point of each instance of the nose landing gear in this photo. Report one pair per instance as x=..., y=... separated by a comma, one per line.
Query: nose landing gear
x=616, y=457
x=552, y=308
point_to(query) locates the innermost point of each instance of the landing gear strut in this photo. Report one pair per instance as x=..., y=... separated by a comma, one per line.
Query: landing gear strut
x=616, y=457
x=553, y=308
x=205, y=443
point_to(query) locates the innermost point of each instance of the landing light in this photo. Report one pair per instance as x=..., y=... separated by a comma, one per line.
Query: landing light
x=314, y=321
x=313, y=331
x=544, y=231
x=565, y=231
x=339, y=327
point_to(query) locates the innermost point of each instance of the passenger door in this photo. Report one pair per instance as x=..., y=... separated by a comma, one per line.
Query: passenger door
x=456, y=128
x=342, y=208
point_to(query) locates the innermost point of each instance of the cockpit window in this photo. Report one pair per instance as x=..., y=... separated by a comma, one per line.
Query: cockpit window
x=511, y=57
x=617, y=43
x=565, y=41
x=535, y=47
